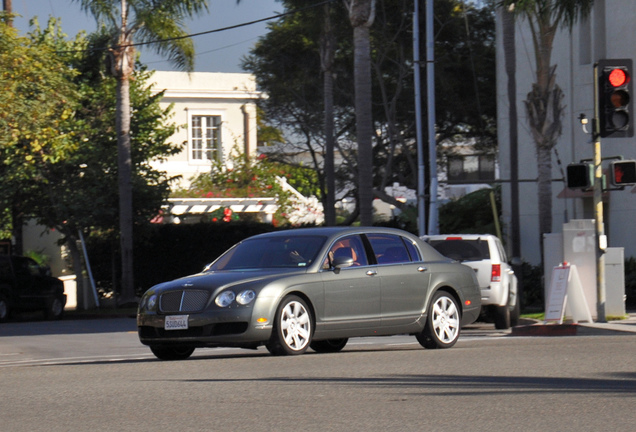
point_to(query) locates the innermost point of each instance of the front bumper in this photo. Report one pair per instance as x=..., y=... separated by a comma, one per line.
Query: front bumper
x=211, y=328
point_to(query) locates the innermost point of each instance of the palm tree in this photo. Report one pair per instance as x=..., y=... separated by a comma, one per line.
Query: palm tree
x=327, y=52
x=544, y=104
x=158, y=23
x=361, y=15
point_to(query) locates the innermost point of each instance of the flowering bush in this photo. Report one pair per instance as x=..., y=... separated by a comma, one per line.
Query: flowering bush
x=223, y=214
x=260, y=178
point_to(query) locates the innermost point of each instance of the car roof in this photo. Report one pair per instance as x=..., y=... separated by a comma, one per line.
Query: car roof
x=457, y=236
x=336, y=231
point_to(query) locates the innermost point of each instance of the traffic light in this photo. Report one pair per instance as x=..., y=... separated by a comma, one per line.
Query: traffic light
x=580, y=176
x=623, y=172
x=616, y=117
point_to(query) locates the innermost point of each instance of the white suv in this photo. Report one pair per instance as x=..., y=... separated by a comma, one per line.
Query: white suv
x=486, y=255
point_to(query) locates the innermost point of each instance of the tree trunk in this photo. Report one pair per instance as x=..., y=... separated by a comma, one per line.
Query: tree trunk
x=544, y=162
x=545, y=110
x=8, y=8
x=327, y=54
x=125, y=189
x=123, y=67
x=362, y=71
x=361, y=15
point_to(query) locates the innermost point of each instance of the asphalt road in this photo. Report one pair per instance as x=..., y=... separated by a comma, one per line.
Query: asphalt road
x=94, y=375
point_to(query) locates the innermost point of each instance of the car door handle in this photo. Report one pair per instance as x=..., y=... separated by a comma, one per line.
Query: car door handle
x=421, y=269
x=371, y=272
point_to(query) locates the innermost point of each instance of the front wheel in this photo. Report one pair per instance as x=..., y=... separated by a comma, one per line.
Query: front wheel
x=442, y=323
x=293, y=327
x=172, y=353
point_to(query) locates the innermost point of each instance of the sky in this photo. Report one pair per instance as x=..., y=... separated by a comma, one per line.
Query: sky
x=215, y=52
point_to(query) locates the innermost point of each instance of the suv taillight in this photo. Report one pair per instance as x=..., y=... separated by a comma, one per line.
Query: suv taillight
x=495, y=273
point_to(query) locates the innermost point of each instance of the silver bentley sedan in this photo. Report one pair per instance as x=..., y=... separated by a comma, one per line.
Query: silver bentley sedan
x=312, y=288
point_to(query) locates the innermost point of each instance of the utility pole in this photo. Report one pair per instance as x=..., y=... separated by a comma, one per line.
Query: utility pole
x=433, y=224
x=421, y=168
x=601, y=240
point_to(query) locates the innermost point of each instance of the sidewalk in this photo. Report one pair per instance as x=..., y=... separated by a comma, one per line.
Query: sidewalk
x=625, y=327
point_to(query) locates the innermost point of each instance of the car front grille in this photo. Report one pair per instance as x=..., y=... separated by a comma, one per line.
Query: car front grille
x=184, y=301
x=219, y=329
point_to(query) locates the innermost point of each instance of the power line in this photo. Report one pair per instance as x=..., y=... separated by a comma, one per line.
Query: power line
x=232, y=27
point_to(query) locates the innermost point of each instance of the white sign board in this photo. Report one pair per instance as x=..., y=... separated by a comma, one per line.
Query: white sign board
x=566, y=290
x=558, y=294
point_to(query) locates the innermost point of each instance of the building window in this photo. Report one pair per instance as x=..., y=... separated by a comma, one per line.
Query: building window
x=206, y=138
x=471, y=168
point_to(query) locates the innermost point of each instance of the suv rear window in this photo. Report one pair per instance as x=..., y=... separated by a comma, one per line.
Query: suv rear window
x=462, y=250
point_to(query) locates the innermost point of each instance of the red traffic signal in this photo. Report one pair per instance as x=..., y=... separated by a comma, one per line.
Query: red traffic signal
x=616, y=118
x=623, y=172
x=618, y=77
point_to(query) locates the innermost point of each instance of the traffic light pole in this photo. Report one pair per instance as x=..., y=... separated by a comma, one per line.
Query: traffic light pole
x=601, y=242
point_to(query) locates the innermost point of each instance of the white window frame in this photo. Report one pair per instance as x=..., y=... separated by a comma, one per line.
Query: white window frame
x=204, y=113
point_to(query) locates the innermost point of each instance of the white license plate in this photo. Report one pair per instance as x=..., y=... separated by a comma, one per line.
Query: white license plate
x=176, y=322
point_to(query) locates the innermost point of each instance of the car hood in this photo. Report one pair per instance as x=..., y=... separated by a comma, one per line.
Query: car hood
x=224, y=279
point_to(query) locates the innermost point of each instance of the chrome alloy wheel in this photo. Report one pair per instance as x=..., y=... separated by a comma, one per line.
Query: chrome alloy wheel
x=295, y=325
x=445, y=320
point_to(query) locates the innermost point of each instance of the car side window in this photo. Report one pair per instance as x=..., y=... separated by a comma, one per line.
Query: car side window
x=502, y=252
x=350, y=247
x=413, y=250
x=389, y=248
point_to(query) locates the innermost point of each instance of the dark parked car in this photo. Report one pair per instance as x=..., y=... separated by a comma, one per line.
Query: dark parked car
x=27, y=286
x=315, y=287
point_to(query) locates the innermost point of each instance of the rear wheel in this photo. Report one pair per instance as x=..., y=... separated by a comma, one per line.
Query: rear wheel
x=502, y=317
x=293, y=327
x=55, y=309
x=172, y=353
x=442, y=323
x=329, y=345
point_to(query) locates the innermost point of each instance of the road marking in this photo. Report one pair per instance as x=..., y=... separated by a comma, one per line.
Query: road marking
x=74, y=360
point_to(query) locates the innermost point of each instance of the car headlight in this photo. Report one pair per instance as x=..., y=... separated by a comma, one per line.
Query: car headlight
x=225, y=299
x=151, y=302
x=245, y=297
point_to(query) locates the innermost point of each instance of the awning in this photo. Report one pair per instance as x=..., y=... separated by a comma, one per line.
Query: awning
x=201, y=206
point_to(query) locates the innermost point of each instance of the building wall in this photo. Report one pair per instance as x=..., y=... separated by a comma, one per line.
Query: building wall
x=608, y=33
x=232, y=96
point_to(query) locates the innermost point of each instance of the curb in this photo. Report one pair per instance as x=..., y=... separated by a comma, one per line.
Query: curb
x=585, y=329
x=545, y=330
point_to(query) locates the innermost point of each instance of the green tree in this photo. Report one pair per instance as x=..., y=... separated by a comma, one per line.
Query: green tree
x=287, y=61
x=544, y=103
x=37, y=103
x=159, y=23
x=77, y=191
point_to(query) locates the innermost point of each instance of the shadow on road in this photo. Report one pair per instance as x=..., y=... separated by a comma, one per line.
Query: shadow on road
x=68, y=326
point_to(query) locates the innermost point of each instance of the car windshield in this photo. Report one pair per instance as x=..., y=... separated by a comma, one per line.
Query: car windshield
x=270, y=252
x=462, y=250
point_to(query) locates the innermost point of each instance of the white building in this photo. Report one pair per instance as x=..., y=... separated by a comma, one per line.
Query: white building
x=216, y=113
x=607, y=34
